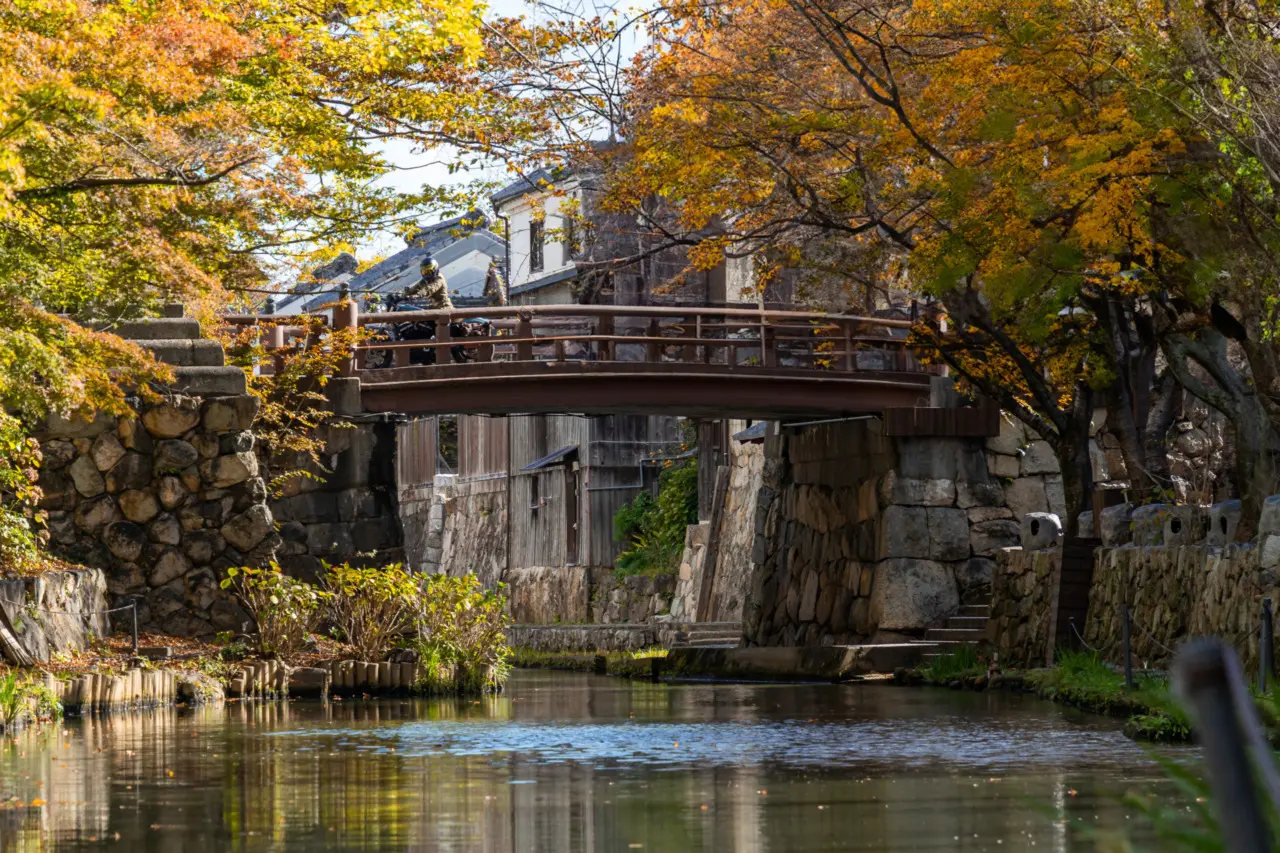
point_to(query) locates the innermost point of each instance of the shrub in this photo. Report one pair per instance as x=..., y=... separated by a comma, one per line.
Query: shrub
x=462, y=641
x=24, y=700
x=653, y=531
x=285, y=609
x=371, y=607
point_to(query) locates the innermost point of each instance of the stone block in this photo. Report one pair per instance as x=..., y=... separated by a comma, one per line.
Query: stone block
x=1004, y=467
x=235, y=442
x=1038, y=458
x=173, y=455
x=1184, y=525
x=979, y=514
x=988, y=537
x=808, y=598
x=308, y=508
x=171, y=492
x=1098, y=462
x=201, y=546
x=974, y=573
x=95, y=513
x=165, y=530
x=911, y=596
x=228, y=470
x=1086, y=526
x=948, y=533
x=138, y=505
x=1026, y=495
x=1116, y=525
x=170, y=566
x=57, y=453
x=173, y=418
x=76, y=426
x=1056, y=495
x=125, y=540
x=357, y=503
x=1148, y=524
x=249, y=528
x=1270, y=555
x=371, y=535
x=230, y=414
x=1224, y=518
x=1012, y=437
x=133, y=471
x=1269, y=519
x=1040, y=530
x=211, y=381
x=133, y=435
x=106, y=451
x=86, y=477
x=971, y=493
x=904, y=532
x=329, y=539
x=912, y=492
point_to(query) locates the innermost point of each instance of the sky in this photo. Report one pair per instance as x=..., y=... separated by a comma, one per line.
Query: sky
x=417, y=168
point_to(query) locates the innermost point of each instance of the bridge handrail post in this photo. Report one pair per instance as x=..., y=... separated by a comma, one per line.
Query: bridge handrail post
x=347, y=316
x=604, y=327
x=653, y=350
x=275, y=348
x=768, y=356
x=524, y=331
x=849, y=360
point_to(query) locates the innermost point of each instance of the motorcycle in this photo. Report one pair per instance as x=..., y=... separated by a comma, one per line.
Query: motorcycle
x=425, y=330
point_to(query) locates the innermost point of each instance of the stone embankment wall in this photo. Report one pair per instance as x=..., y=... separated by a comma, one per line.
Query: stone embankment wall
x=737, y=536
x=347, y=511
x=162, y=501
x=54, y=612
x=1174, y=566
x=1021, y=601
x=860, y=536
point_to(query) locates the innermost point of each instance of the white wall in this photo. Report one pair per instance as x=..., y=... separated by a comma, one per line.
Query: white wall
x=521, y=212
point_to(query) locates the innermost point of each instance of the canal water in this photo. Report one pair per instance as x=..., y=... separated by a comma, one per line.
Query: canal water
x=567, y=762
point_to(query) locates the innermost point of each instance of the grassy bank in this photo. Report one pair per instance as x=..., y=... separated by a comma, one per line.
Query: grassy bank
x=1079, y=679
x=637, y=664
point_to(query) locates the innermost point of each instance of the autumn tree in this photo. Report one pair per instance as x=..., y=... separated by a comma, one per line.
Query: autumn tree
x=1005, y=158
x=199, y=150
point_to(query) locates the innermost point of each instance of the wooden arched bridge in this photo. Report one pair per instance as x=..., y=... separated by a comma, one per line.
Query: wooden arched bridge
x=601, y=359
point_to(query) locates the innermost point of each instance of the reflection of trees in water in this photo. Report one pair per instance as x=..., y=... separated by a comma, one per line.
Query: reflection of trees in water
x=242, y=779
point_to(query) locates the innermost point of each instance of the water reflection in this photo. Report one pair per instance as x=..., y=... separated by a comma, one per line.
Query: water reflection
x=577, y=763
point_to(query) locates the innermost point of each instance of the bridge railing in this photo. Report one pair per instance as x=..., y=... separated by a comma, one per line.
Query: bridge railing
x=731, y=338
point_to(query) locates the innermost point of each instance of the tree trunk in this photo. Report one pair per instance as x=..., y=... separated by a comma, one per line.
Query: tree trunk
x=1256, y=463
x=1077, y=478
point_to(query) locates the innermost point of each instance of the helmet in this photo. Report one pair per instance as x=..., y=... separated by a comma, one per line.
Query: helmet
x=429, y=268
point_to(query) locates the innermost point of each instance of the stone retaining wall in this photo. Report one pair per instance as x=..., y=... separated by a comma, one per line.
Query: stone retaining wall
x=1173, y=592
x=347, y=513
x=1021, y=599
x=584, y=638
x=860, y=536
x=55, y=612
x=162, y=501
x=737, y=535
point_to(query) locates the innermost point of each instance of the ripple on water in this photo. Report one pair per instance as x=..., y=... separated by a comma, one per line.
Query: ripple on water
x=934, y=744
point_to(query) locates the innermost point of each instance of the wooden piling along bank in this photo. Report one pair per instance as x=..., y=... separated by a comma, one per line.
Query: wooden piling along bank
x=351, y=676
x=98, y=693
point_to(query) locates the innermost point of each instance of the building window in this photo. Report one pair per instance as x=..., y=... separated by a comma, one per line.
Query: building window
x=535, y=246
x=571, y=247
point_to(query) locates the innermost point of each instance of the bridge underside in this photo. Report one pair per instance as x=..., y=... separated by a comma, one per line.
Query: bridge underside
x=691, y=390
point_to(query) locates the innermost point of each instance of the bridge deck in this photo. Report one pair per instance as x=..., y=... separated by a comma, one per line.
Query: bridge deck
x=698, y=362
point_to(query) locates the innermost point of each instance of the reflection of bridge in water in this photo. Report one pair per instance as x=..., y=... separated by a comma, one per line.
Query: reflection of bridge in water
x=596, y=359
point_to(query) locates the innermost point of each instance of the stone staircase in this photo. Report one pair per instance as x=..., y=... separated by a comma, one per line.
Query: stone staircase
x=723, y=635
x=199, y=364
x=967, y=627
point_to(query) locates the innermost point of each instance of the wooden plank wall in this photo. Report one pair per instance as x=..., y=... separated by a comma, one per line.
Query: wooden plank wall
x=482, y=445
x=1070, y=597
x=416, y=452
